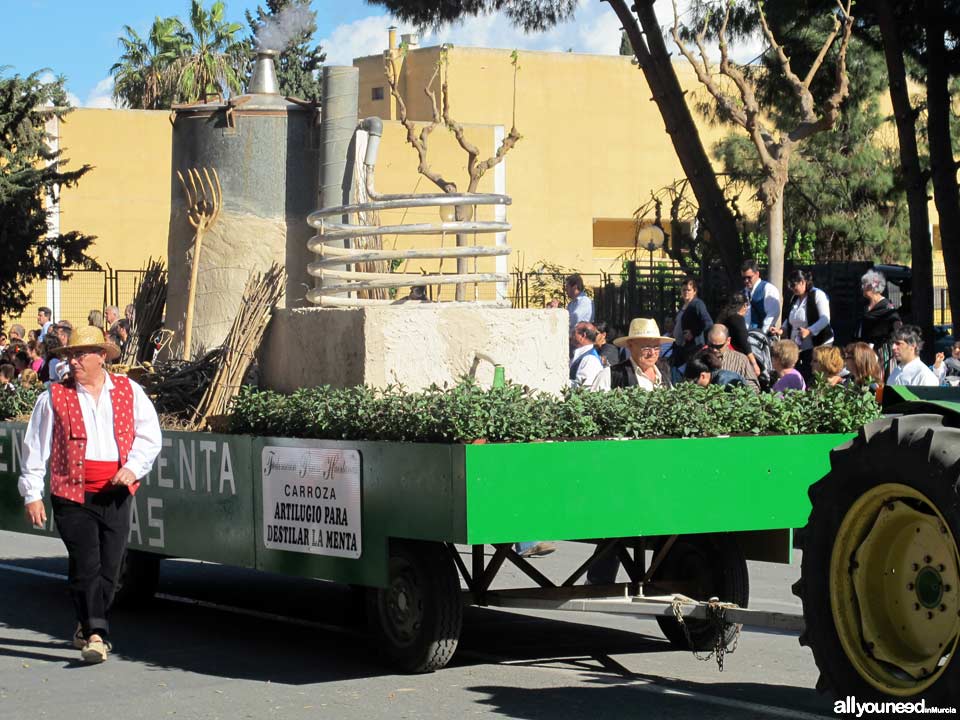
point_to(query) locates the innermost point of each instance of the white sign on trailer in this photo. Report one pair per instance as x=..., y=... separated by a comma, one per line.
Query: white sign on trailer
x=311, y=500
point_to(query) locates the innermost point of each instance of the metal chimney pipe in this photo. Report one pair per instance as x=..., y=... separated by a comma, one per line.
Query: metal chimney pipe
x=264, y=78
x=338, y=113
x=341, y=89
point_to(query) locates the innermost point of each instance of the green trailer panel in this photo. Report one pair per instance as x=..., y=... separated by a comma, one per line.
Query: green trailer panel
x=412, y=491
x=619, y=488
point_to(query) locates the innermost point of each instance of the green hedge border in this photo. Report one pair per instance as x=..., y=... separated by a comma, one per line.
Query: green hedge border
x=467, y=412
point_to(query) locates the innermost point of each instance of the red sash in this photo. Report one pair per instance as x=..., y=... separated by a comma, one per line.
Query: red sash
x=98, y=473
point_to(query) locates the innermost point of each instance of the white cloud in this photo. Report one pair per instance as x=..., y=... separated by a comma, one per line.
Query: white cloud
x=366, y=36
x=595, y=29
x=48, y=77
x=102, y=95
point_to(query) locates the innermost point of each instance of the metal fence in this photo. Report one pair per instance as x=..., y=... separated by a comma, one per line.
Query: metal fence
x=536, y=289
x=941, y=300
x=77, y=294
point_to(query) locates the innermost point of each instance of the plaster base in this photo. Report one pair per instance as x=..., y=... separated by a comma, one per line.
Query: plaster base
x=414, y=346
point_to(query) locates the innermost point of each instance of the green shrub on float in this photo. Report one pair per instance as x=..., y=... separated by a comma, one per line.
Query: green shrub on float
x=468, y=412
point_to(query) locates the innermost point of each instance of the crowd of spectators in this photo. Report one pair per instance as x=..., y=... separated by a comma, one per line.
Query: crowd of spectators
x=27, y=357
x=753, y=340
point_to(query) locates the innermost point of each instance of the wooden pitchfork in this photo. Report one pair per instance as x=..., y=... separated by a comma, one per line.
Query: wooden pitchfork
x=204, y=199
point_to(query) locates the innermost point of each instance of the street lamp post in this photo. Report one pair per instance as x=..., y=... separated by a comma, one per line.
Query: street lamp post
x=650, y=237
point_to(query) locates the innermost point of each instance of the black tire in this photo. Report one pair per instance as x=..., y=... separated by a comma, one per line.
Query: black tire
x=701, y=567
x=138, y=579
x=417, y=618
x=915, y=451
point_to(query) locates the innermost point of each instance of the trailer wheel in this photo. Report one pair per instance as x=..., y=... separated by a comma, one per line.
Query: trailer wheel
x=138, y=579
x=701, y=567
x=880, y=577
x=418, y=616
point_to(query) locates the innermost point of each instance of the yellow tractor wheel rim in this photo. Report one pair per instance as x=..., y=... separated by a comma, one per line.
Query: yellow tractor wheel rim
x=895, y=589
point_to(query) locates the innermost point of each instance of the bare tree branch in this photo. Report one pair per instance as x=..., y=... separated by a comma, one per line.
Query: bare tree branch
x=418, y=143
x=831, y=107
x=468, y=147
x=440, y=113
x=747, y=116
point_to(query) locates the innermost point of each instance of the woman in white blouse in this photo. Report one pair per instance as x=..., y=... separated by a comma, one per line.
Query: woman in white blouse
x=808, y=320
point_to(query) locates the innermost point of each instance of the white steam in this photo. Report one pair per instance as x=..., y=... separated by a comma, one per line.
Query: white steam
x=278, y=32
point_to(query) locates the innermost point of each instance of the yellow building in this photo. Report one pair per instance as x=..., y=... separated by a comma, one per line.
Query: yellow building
x=593, y=150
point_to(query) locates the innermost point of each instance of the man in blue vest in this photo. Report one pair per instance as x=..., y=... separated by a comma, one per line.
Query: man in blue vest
x=585, y=365
x=765, y=302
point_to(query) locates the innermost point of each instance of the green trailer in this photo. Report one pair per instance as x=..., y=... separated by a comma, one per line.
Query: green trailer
x=879, y=578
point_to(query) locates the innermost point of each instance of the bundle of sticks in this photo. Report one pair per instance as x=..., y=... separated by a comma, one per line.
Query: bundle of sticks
x=148, y=303
x=177, y=386
x=260, y=297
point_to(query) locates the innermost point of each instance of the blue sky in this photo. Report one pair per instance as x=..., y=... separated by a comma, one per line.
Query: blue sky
x=78, y=38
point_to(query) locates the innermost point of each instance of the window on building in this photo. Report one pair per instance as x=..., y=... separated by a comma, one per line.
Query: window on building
x=377, y=93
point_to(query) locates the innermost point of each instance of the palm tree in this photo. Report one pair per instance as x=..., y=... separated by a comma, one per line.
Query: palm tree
x=141, y=78
x=214, y=57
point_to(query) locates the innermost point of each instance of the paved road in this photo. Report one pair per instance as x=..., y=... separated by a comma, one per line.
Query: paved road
x=204, y=650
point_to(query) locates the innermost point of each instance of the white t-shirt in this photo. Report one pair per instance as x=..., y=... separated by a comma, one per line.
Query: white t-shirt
x=914, y=373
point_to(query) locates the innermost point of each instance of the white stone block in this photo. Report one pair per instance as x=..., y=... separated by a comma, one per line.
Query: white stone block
x=415, y=346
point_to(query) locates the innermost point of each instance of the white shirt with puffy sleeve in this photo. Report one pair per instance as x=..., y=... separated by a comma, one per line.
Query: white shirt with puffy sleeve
x=101, y=441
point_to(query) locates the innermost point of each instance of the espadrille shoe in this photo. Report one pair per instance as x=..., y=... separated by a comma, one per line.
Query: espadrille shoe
x=95, y=651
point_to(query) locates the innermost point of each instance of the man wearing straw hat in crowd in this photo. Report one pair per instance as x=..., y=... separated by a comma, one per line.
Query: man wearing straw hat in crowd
x=643, y=368
x=100, y=433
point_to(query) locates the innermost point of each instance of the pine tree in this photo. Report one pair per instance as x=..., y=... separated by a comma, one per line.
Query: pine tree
x=299, y=62
x=30, y=174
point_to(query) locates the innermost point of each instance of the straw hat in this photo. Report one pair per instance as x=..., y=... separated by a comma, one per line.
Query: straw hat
x=87, y=339
x=645, y=329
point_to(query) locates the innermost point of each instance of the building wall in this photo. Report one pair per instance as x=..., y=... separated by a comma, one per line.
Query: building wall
x=124, y=201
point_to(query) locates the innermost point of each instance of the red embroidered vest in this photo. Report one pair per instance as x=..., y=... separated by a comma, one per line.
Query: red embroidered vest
x=70, y=436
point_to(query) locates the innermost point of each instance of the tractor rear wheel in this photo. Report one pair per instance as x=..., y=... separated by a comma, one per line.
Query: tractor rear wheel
x=880, y=576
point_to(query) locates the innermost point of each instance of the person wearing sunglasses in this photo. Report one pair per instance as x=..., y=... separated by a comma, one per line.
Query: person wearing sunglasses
x=718, y=340
x=765, y=301
x=100, y=434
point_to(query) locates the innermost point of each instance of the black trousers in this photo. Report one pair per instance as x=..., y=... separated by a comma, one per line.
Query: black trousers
x=805, y=366
x=95, y=533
